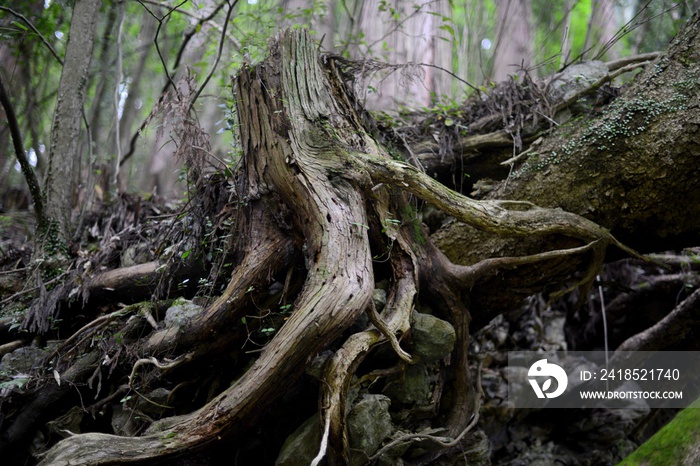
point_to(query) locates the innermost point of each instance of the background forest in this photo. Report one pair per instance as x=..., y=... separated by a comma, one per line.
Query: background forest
x=144, y=48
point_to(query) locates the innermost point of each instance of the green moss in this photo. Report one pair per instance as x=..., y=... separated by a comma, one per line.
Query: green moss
x=623, y=120
x=689, y=85
x=670, y=445
x=409, y=214
x=686, y=57
x=53, y=241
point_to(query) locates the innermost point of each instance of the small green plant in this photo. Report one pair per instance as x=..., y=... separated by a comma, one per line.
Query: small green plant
x=285, y=309
x=391, y=224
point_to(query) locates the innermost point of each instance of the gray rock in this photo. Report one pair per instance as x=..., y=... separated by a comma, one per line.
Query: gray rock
x=181, y=313
x=575, y=79
x=22, y=360
x=135, y=254
x=125, y=422
x=554, y=331
x=379, y=297
x=318, y=364
x=369, y=423
x=154, y=402
x=68, y=424
x=515, y=374
x=301, y=447
x=410, y=387
x=432, y=338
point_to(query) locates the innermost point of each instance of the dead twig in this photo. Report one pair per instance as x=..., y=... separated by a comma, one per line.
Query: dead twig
x=163, y=367
x=36, y=31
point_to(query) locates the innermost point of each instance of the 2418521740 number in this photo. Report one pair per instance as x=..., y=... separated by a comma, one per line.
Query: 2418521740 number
x=640, y=374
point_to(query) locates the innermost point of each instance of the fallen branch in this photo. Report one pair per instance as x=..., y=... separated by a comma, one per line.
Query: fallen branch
x=681, y=323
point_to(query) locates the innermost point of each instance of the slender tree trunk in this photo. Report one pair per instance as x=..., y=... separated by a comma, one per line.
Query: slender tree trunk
x=135, y=71
x=566, y=36
x=602, y=27
x=64, y=151
x=400, y=33
x=472, y=56
x=513, y=38
x=105, y=85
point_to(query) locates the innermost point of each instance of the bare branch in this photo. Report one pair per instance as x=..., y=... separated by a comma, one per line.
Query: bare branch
x=642, y=57
x=679, y=324
x=218, y=54
x=178, y=58
x=27, y=170
x=36, y=31
x=213, y=24
x=155, y=40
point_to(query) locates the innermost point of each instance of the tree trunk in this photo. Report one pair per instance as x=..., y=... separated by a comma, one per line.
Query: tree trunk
x=601, y=30
x=513, y=38
x=64, y=151
x=338, y=197
x=283, y=100
x=630, y=169
x=414, y=37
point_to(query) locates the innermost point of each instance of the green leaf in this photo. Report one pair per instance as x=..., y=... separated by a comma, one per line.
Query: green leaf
x=448, y=29
x=20, y=26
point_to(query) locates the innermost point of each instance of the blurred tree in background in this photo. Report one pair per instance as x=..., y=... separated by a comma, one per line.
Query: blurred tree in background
x=131, y=69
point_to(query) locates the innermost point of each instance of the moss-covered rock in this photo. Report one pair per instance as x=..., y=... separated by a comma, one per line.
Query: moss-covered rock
x=369, y=423
x=301, y=447
x=410, y=387
x=677, y=443
x=432, y=338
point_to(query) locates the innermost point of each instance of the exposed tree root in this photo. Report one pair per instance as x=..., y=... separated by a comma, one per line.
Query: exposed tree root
x=304, y=145
x=267, y=251
x=677, y=326
x=504, y=218
x=16, y=434
x=337, y=289
x=341, y=368
x=444, y=442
